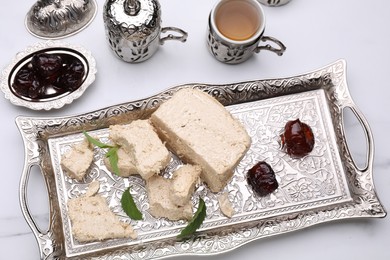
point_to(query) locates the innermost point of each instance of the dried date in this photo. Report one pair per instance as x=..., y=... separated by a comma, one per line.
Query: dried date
x=72, y=76
x=47, y=65
x=24, y=79
x=261, y=177
x=297, y=138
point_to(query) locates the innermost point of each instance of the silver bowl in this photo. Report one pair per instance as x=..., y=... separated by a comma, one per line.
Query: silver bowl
x=22, y=58
x=55, y=19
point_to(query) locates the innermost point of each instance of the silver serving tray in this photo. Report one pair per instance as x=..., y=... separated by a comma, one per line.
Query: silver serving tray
x=324, y=186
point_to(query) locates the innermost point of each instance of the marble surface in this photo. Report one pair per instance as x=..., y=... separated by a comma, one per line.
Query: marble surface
x=316, y=33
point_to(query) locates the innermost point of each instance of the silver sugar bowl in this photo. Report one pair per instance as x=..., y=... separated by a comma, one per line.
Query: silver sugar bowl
x=133, y=28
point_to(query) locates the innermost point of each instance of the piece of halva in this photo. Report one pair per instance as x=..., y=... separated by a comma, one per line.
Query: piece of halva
x=125, y=163
x=225, y=205
x=142, y=143
x=201, y=131
x=92, y=220
x=77, y=160
x=184, y=180
x=160, y=202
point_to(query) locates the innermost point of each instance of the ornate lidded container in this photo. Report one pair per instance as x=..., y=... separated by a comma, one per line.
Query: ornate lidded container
x=133, y=28
x=55, y=19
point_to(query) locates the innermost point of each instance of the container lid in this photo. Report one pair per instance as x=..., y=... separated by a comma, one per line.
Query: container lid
x=135, y=19
x=55, y=19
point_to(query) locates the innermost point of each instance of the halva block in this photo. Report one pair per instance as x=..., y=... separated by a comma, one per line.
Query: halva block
x=202, y=132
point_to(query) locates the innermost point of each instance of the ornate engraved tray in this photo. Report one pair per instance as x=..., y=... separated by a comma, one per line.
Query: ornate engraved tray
x=326, y=185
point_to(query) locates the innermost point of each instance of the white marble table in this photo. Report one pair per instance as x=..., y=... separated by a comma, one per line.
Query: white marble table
x=316, y=33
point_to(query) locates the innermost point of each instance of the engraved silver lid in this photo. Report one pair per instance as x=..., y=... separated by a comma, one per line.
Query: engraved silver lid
x=273, y=2
x=133, y=20
x=55, y=19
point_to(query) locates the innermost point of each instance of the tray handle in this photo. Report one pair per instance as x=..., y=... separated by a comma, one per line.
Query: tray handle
x=369, y=141
x=44, y=238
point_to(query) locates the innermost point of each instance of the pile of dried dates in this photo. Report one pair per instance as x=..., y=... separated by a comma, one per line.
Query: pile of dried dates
x=48, y=75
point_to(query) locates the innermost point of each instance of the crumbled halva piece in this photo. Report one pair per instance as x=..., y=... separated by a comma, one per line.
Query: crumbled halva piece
x=160, y=202
x=77, y=161
x=125, y=163
x=93, y=189
x=202, y=132
x=92, y=220
x=225, y=205
x=142, y=143
x=183, y=183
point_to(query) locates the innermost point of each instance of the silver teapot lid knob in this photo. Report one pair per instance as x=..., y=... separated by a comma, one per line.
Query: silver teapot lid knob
x=132, y=7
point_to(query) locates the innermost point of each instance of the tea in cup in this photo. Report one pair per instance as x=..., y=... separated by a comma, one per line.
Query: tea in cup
x=235, y=29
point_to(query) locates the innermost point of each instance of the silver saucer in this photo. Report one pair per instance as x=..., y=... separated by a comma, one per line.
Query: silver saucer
x=55, y=19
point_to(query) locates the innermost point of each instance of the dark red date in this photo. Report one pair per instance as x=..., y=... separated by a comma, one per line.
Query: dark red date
x=71, y=77
x=261, y=177
x=297, y=139
x=24, y=79
x=47, y=65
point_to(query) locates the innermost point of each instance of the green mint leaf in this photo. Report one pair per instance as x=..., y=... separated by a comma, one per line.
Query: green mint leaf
x=112, y=156
x=195, y=222
x=96, y=142
x=112, y=153
x=129, y=206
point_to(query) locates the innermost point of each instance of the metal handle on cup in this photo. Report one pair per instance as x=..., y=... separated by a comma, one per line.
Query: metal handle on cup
x=268, y=47
x=182, y=37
